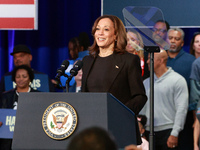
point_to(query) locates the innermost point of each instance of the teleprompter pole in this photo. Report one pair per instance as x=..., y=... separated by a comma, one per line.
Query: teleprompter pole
x=151, y=50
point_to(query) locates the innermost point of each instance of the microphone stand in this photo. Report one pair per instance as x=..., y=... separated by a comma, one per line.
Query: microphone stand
x=67, y=82
x=151, y=50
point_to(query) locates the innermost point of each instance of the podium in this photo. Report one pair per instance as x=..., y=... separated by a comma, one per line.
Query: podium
x=93, y=109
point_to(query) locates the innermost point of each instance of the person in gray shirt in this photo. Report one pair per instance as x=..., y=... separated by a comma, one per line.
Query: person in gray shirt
x=170, y=103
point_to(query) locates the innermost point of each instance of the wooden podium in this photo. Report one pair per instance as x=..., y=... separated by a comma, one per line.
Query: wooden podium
x=93, y=109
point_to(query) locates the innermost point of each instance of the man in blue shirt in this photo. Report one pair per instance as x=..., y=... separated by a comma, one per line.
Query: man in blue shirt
x=181, y=62
x=178, y=59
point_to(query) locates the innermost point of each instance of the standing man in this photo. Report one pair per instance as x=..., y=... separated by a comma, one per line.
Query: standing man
x=22, y=56
x=181, y=62
x=170, y=103
x=178, y=59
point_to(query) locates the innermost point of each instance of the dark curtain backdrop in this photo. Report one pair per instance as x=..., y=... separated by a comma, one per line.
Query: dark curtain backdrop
x=58, y=21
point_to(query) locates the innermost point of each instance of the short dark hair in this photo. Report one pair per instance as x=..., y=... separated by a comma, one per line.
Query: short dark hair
x=93, y=138
x=142, y=119
x=166, y=23
x=25, y=67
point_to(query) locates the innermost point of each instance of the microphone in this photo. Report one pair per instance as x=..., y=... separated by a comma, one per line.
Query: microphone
x=77, y=66
x=62, y=69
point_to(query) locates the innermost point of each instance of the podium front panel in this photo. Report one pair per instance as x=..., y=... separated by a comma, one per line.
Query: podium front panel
x=93, y=109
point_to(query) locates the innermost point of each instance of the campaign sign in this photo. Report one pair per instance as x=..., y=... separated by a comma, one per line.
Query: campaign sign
x=40, y=82
x=7, y=117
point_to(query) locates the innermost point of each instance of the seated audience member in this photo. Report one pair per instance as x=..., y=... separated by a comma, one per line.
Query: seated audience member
x=195, y=97
x=22, y=75
x=195, y=45
x=22, y=56
x=84, y=42
x=142, y=120
x=170, y=103
x=93, y=138
x=135, y=46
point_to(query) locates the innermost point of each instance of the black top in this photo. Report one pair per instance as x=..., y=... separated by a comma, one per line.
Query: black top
x=98, y=79
x=122, y=78
x=8, y=98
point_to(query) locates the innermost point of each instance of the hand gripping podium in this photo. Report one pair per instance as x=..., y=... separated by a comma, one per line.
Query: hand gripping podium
x=92, y=109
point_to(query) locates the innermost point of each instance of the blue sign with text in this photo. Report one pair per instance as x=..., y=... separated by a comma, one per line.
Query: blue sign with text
x=7, y=117
x=40, y=83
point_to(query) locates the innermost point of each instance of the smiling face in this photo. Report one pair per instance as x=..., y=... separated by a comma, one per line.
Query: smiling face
x=22, y=78
x=105, y=34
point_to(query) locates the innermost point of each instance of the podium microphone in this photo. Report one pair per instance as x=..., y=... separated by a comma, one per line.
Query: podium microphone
x=77, y=66
x=62, y=69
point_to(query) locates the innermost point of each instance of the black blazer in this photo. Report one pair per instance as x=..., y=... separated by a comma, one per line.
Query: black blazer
x=9, y=97
x=126, y=81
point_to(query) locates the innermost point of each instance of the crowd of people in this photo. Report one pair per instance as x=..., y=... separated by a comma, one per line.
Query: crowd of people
x=117, y=63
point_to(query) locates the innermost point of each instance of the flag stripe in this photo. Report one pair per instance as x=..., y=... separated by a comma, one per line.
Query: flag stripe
x=17, y=1
x=18, y=11
x=16, y=23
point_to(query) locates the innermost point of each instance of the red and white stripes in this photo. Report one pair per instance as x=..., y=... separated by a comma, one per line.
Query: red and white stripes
x=18, y=14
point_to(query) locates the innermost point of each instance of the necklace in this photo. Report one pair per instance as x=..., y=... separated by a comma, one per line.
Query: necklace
x=27, y=91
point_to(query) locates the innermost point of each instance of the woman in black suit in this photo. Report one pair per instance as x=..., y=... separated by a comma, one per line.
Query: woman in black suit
x=109, y=68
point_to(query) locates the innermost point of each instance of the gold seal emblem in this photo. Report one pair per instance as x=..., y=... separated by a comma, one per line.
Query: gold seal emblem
x=59, y=120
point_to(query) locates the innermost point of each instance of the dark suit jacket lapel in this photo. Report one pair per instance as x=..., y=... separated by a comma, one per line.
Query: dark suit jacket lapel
x=88, y=66
x=118, y=64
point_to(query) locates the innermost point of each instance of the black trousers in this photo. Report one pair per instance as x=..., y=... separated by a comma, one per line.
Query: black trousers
x=5, y=144
x=186, y=139
x=160, y=140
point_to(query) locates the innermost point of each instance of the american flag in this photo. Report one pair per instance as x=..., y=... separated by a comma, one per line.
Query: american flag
x=18, y=14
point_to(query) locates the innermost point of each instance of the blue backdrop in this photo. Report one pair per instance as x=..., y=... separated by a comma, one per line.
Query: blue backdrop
x=58, y=22
x=176, y=12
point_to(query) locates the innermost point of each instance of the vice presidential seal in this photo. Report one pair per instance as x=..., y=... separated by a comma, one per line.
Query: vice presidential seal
x=59, y=120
